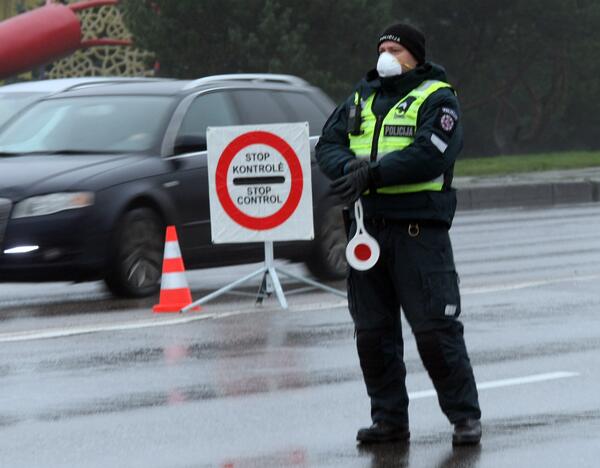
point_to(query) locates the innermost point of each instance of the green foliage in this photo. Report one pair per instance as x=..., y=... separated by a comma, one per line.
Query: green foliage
x=520, y=67
x=517, y=164
x=525, y=70
x=328, y=43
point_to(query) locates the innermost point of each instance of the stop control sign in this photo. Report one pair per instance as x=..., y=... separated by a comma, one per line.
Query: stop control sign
x=260, y=183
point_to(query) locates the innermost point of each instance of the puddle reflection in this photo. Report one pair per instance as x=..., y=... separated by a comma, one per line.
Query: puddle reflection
x=395, y=454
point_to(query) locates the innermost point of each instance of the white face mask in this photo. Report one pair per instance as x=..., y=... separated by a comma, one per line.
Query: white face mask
x=388, y=65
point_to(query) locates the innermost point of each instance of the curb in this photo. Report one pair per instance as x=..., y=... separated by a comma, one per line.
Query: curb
x=528, y=195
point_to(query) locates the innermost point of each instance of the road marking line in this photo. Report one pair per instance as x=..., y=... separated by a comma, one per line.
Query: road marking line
x=182, y=319
x=525, y=285
x=150, y=323
x=65, y=332
x=504, y=383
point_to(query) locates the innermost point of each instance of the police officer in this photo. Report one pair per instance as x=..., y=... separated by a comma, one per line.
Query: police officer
x=393, y=144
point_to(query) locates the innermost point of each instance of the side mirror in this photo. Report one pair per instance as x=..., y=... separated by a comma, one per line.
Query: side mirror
x=189, y=144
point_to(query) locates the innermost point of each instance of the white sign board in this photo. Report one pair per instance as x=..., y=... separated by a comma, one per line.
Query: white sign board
x=259, y=183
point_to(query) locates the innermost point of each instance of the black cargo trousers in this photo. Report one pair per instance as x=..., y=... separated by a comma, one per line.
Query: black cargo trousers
x=415, y=272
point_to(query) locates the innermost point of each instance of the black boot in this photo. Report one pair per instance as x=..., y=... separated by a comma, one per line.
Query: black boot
x=467, y=432
x=382, y=431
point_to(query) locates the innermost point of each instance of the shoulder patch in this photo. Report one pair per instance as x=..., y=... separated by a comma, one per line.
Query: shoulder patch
x=446, y=120
x=451, y=112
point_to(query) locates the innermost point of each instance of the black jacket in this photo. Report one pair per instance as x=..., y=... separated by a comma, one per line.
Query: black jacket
x=422, y=161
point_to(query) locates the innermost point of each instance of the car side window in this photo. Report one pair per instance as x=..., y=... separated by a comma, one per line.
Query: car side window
x=305, y=109
x=258, y=106
x=208, y=110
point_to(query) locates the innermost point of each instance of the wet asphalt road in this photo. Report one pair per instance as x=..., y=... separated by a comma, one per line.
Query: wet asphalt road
x=236, y=387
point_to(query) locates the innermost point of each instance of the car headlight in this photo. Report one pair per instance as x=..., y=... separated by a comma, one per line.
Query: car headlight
x=53, y=203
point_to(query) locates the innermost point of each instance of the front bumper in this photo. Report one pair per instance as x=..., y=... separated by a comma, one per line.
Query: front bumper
x=69, y=248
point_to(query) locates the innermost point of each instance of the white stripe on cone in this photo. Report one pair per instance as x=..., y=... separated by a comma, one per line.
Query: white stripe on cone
x=173, y=281
x=172, y=250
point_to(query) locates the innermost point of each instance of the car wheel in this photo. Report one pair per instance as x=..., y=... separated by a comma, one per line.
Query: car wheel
x=136, y=254
x=328, y=257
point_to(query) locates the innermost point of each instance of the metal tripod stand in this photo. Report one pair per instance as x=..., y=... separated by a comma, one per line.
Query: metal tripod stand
x=270, y=283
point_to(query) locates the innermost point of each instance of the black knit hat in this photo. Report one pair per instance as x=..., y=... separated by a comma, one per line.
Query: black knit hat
x=408, y=37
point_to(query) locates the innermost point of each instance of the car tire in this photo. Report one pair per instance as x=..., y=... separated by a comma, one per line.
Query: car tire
x=328, y=257
x=135, y=264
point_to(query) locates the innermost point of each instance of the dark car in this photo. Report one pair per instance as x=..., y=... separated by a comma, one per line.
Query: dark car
x=90, y=178
x=16, y=97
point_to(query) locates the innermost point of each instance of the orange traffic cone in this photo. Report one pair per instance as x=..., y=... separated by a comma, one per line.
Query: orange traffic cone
x=174, y=290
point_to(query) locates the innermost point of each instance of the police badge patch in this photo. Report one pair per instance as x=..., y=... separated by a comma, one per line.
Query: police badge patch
x=446, y=120
x=447, y=123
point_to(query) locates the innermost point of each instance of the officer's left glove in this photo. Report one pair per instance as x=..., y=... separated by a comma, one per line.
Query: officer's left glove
x=349, y=187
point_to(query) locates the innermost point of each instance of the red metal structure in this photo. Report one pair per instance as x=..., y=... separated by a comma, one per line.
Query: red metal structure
x=44, y=35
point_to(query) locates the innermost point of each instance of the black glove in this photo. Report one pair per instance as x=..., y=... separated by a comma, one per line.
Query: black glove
x=350, y=186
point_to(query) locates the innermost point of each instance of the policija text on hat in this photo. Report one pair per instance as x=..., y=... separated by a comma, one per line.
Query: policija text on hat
x=393, y=144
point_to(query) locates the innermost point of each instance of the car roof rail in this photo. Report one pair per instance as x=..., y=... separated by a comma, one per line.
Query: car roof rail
x=115, y=80
x=264, y=77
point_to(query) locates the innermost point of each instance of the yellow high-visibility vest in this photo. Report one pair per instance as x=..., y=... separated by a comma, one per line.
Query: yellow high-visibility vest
x=395, y=132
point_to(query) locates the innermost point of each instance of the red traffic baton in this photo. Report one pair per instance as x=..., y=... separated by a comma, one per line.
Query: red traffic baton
x=362, y=252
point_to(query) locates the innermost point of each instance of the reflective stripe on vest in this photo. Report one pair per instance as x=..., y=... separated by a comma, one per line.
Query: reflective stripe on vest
x=397, y=131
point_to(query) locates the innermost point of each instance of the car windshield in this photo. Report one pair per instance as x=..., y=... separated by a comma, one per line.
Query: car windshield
x=12, y=103
x=88, y=124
